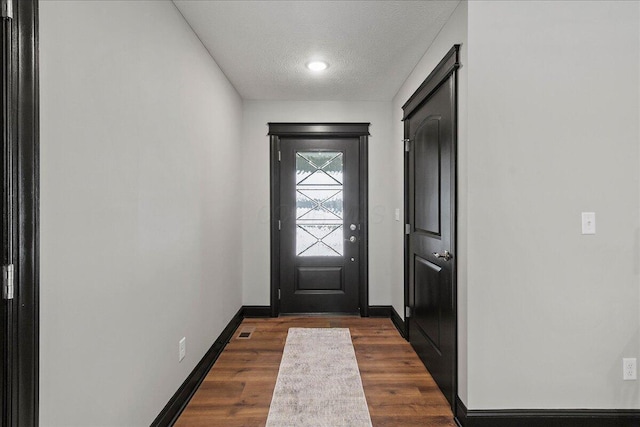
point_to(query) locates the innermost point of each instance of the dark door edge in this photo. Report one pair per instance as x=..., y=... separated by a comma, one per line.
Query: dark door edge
x=21, y=141
x=545, y=417
x=445, y=69
x=277, y=130
x=364, y=221
x=274, y=202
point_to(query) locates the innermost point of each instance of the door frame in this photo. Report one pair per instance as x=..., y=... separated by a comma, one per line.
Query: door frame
x=19, y=93
x=445, y=69
x=323, y=130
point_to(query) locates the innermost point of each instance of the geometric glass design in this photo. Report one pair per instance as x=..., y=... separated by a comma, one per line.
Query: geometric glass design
x=319, y=203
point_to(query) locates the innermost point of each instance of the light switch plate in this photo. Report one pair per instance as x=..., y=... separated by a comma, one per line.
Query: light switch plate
x=182, y=349
x=588, y=223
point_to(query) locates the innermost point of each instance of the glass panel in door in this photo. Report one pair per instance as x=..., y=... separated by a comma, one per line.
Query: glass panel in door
x=319, y=204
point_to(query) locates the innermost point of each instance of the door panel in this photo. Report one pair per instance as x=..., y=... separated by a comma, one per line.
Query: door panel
x=431, y=185
x=319, y=279
x=320, y=233
x=427, y=313
x=427, y=180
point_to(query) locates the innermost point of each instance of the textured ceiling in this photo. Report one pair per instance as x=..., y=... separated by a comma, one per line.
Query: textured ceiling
x=263, y=46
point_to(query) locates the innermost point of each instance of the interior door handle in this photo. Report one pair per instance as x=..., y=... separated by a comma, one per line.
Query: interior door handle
x=446, y=255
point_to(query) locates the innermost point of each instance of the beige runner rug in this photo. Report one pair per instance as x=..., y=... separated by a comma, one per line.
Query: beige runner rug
x=318, y=382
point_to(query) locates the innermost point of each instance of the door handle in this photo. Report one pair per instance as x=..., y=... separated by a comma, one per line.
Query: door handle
x=446, y=255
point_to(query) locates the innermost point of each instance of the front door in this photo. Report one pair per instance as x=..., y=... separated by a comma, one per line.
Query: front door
x=430, y=130
x=320, y=224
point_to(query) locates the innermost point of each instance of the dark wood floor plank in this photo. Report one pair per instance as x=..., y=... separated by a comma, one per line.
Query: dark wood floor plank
x=238, y=389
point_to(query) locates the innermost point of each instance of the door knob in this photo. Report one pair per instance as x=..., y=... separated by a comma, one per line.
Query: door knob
x=352, y=239
x=446, y=255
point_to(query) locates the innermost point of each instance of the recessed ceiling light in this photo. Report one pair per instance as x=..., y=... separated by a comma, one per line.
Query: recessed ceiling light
x=317, y=65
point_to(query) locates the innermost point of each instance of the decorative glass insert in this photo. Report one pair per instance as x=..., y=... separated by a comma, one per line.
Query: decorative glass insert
x=319, y=203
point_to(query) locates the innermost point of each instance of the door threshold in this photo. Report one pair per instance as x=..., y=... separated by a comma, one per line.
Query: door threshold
x=319, y=315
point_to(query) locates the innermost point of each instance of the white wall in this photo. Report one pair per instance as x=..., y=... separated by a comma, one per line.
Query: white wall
x=255, y=198
x=140, y=183
x=552, y=131
x=453, y=32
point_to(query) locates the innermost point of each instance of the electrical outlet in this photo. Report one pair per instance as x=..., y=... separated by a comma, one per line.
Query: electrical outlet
x=629, y=369
x=182, y=349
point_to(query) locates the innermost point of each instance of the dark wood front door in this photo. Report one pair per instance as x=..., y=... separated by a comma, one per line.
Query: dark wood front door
x=430, y=130
x=319, y=235
x=320, y=224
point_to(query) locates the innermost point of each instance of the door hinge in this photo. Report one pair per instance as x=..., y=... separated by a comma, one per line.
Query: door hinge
x=279, y=156
x=407, y=229
x=279, y=225
x=407, y=311
x=6, y=9
x=7, y=281
x=407, y=145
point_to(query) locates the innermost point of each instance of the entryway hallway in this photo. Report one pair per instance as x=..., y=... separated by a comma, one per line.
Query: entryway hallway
x=237, y=390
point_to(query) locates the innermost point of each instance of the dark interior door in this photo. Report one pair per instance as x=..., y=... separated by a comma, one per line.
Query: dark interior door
x=7, y=333
x=19, y=296
x=432, y=324
x=320, y=228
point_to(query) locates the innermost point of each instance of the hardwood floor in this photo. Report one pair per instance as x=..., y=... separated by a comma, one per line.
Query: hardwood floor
x=238, y=389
